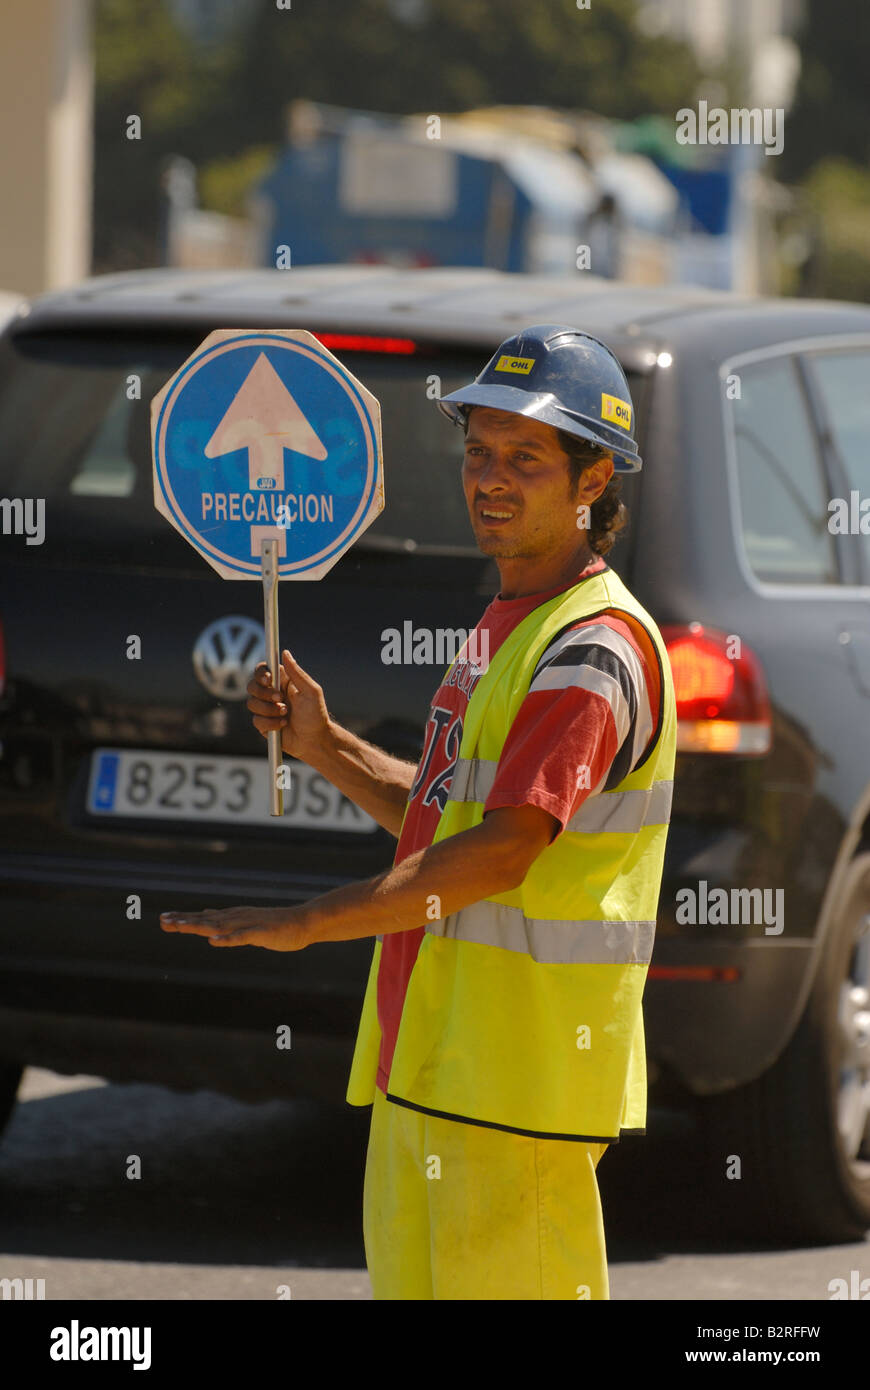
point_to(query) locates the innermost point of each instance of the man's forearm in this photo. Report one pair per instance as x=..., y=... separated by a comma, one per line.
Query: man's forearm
x=428, y=884
x=373, y=779
x=487, y=859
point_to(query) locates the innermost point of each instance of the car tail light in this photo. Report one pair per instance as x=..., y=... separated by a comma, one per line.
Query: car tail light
x=722, y=700
x=365, y=342
x=721, y=974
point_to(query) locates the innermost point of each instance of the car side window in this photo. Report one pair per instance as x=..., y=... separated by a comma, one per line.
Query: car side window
x=781, y=480
x=844, y=381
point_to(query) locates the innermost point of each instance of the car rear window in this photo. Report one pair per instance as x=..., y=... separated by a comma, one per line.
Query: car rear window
x=75, y=431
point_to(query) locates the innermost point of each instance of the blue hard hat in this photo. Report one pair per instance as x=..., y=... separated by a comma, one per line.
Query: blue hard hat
x=561, y=377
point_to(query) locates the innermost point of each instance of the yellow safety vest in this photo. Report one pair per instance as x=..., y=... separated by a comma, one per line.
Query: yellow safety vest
x=523, y=1010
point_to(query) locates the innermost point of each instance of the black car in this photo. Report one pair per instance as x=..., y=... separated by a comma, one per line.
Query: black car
x=125, y=654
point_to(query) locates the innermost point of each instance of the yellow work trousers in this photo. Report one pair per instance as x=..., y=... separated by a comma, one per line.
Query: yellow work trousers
x=460, y=1211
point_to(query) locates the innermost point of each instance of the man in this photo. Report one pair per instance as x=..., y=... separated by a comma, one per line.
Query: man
x=501, y=1044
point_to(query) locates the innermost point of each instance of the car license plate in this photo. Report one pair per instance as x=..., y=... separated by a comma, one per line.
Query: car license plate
x=189, y=787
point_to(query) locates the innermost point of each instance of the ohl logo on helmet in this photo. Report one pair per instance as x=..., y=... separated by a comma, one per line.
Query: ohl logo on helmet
x=514, y=364
x=612, y=408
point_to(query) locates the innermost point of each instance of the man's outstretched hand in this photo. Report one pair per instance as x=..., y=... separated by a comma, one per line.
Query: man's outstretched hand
x=276, y=928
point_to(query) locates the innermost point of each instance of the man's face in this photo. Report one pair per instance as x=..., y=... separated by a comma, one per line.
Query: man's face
x=516, y=465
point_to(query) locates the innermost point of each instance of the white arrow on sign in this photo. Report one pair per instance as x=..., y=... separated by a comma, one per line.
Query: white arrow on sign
x=264, y=418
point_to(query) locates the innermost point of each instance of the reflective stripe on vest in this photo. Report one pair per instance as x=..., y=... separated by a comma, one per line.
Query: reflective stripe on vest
x=549, y=942
x=621, y=812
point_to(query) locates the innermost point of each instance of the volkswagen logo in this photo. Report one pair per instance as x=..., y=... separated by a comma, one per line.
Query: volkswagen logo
x=225, y=654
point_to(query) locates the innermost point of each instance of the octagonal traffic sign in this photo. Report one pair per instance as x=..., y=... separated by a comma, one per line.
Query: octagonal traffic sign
x=268, y=460
x=267, y=436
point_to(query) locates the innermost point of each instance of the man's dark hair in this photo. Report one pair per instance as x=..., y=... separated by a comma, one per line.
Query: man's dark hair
x=608, y=515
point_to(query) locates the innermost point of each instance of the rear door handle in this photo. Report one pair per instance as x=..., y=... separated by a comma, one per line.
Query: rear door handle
x=857, y=644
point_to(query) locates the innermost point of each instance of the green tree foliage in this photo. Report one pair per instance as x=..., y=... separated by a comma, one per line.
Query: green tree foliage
x=838, y=193
x=831, y=111
x=224, y=184
x=145, y=67
x=827, y=149
x=213, y=104
x=460, y=53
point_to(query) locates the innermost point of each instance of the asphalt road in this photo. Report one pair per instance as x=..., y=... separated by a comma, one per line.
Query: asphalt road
x=235, y=1201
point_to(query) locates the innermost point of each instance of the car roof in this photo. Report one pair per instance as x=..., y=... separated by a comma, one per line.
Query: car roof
x=446, y=305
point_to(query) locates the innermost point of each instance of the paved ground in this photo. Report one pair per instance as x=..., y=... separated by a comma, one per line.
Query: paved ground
x=235, y=1201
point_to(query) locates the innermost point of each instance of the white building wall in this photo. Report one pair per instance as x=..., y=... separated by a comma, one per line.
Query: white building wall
x=712, y=26
x=46, y=144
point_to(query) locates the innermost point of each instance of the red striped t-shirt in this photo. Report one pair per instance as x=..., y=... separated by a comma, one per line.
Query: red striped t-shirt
x=593, y=702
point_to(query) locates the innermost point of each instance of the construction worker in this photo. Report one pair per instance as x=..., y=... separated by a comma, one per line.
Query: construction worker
x=501, y=1044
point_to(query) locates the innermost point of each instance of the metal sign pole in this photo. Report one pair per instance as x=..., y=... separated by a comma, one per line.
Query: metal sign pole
x=269, y=553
